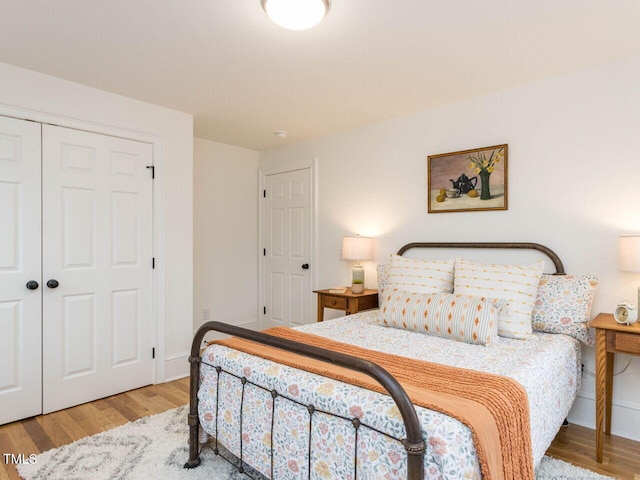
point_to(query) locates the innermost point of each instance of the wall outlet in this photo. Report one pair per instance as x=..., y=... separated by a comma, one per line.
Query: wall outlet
x=205, y=314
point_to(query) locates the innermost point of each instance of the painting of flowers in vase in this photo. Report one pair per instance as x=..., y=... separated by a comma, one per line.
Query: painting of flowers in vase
x=470, y=180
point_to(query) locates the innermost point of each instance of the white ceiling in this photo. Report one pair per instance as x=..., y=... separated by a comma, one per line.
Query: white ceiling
x=243, y=77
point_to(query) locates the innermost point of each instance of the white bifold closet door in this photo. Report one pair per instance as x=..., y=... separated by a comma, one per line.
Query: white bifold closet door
x=20, y=263
x=97, y=246
x=75, y=217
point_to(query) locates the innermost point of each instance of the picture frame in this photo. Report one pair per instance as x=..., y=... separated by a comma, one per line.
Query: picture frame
x=468, y=181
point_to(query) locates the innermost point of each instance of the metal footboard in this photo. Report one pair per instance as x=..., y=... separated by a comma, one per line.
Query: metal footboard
x=413, y=444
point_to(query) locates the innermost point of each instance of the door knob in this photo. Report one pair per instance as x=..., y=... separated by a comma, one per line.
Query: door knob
x=32, y=285
x=52, y=283
x=305, y=266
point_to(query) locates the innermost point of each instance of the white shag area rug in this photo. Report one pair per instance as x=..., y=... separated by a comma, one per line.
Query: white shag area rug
x=155, y=447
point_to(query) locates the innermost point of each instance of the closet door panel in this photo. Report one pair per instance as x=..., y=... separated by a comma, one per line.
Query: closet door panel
x=97, y=231
x=20, y=263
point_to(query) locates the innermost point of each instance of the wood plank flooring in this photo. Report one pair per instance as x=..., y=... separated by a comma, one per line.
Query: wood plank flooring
x=44, y=432
x=574, y=444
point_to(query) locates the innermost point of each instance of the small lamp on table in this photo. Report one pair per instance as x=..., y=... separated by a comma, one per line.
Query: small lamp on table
x=357, y=248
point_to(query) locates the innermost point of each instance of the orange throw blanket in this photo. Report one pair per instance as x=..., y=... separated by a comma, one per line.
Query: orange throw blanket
x=495, y=408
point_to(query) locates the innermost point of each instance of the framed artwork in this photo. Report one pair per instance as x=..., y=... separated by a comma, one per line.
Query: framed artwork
x=468, y=181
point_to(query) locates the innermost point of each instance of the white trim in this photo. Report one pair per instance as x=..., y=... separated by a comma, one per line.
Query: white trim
x=176, y=366
x=625, y=415
x=618, y=403
x=262, y=174
x=159, y=307
x=157, y=143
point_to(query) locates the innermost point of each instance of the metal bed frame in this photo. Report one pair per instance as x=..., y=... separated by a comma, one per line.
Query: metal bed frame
x=414, y=444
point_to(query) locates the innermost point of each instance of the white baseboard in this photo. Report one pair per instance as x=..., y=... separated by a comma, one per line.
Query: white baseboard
x=625, y=416
x=176, y=367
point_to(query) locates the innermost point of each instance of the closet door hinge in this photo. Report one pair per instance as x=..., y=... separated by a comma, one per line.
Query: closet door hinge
x=153, y=352
x=264, y=252
x=153, y=171
x=264, y=193
x=153, y=262
x=264, y=310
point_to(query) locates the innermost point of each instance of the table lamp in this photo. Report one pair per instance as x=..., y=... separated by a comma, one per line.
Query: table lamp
x=630, y=256
x=357, y=248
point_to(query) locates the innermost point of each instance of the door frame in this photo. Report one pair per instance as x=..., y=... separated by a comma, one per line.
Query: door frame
x=158, y=273
x=310, y=164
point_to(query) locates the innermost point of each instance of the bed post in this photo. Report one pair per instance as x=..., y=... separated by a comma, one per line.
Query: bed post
x=194, y=383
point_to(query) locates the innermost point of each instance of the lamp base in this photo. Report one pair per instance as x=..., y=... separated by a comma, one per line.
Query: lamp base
x=357, y=285
x=358, y=274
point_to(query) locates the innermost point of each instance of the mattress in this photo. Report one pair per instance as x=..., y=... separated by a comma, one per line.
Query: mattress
x=548, y=366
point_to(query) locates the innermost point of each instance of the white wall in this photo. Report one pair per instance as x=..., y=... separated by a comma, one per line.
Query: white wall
x=574, y=148
x=225, y=180
x=26, y=94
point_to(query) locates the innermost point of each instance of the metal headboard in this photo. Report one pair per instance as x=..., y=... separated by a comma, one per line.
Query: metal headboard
x=517, y=245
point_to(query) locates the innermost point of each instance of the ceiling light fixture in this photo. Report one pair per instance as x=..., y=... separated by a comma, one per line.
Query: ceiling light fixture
x=296, y=14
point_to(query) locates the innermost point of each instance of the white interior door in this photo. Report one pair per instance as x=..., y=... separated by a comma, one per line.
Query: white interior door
x=97, y=248
x=288, y=248
x=20, y=262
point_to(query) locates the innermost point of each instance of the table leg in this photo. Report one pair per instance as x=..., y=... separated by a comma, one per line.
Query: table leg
x=601, y=360
x=320, y=315
x=352, y=306
x=608, y=392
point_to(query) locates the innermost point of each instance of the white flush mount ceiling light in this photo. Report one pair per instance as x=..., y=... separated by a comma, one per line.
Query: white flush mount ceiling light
x=296, y=14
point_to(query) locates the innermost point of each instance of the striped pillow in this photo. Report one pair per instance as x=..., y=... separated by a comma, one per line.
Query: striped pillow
x=517, y=284
x=423, y=276
x=459, y=317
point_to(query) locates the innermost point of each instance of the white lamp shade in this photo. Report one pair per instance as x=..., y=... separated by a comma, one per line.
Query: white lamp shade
x=296, y=14
x=630, y=253
x=357, y=248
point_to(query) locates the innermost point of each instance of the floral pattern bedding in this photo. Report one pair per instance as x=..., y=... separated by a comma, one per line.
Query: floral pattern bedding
x=547, y=365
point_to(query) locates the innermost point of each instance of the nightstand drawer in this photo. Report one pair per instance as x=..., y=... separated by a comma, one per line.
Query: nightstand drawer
x=627, y=342
x=368, y=302
x=338, y=303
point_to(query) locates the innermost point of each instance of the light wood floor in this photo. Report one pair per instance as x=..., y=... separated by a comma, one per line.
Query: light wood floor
x=34, y=435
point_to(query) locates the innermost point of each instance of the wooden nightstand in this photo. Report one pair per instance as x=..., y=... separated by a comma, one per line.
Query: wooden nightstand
x=349, y=302
x=611, y=337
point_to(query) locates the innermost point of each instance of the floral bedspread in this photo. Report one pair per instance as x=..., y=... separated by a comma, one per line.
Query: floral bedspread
x=547, y=365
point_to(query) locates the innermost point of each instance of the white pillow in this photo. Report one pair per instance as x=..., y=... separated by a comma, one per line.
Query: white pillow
x=421, y=276
x=517, y=284
x=468, y=319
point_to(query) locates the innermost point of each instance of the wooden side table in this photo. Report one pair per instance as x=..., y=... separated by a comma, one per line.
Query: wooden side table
x=349, y=302
x=611, y=337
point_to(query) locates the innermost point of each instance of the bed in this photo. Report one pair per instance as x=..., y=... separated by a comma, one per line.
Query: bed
x=276, y=416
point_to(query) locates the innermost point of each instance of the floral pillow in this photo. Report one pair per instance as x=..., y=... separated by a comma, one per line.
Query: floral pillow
x=468, y=319
x=563, y=305
x=383, y=277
